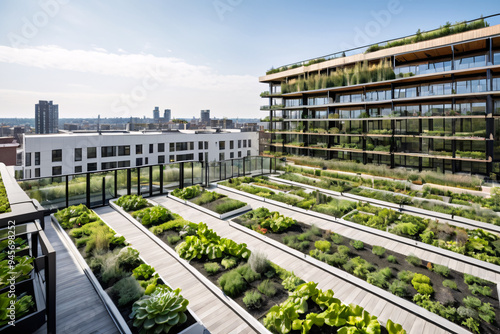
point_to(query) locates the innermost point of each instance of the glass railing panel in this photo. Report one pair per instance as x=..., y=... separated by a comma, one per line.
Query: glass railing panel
x=171, y=176
x=121, y=182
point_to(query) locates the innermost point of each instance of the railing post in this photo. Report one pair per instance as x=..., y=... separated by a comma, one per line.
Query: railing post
x=129, y=181
x=50, y=286
x=116, y=184
x=181, y=175
x=67, y=190
x=150, y=180
x=103, y=190
x=161, y=178
x=88, y=191
x=243, y=166
x=138, y=180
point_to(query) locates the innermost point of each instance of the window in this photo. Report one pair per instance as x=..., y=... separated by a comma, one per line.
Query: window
x=28, y=159
x=249, y=143
x=91, y=153
x=161, y=159
x=37, y=172
x=231, y=144
x=108, y=151
x=37, y=158
x=244, y=143
x=222, y=145
x=56, y=156
x=108, y=165
x=171, y=158
x=185, y=157
x=138, y=161
x=91, y=166
x=125, y=163
x=239, y=143
x=161, y=147
x=56, y=170
x=191, y=145
x=78, y=169
x=151, y=148
x=78, y=154
x=221, y=156
x=172, y=147
x=124, y=150
x=239, y=154
x=146, y=160
x=138, y=149
x=206, y=145
x=200, y=157
x=248, y=153
x=200, y=145
x=231, y=155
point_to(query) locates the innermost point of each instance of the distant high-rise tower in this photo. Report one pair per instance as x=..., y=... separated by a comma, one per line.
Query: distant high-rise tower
x=46, y=117
x=167, y=114
x=156, y=114
x=205, y=117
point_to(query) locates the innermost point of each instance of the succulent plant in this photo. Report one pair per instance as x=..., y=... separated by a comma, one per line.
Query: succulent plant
x=160, y=311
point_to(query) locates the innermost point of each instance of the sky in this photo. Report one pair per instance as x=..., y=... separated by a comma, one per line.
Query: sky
x=121, y=58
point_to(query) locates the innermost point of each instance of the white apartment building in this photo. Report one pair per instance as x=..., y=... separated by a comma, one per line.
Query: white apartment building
x=61, y=154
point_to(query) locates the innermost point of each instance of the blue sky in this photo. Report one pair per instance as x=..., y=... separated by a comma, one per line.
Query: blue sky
x=122, y=58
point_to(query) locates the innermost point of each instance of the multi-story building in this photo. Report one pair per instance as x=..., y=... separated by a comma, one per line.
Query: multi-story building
x=156, y=114
x=205, y=117
x=430, y=105
x=46, y=117
x=70, y=153
x=167, y=115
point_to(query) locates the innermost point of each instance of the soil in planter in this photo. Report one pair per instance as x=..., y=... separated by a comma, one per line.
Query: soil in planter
x=441, y=293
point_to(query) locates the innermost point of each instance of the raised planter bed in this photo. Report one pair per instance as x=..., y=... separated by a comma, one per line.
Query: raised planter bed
x=110, y=298
x=309, y=235
x=212, y=207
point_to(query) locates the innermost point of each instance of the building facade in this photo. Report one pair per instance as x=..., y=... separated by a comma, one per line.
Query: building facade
x=167, y=115
x=205, y=117
x=428, y=105
x=156, y=114
x=71, y=153
x=46, y=117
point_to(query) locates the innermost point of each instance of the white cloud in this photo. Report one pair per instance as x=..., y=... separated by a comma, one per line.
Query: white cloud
x=80, y=73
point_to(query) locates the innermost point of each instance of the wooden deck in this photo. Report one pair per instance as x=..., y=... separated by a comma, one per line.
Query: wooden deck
x=371, y=239
x=216, y=315
x=78, y=307
x=344, y=290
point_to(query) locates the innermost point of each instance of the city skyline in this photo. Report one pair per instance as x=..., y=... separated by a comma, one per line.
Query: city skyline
x=213, y=50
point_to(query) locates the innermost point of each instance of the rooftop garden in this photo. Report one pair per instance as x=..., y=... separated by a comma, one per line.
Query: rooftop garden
x=444, y=30
x=208, y=199
x=4, y=201
x=451, y=294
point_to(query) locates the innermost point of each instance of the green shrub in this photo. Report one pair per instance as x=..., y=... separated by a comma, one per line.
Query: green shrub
x=128, y=258
x=399, y=288
x=143, y=272
x=441, y=270
x=358, y=267
x=392, y=259
x=421, y=283
x=487, y=313
x=132, y=202
x=323, y=245
x=228, y=205
x=471, y=279
x=316, y=230
x=252, y=300
x=378, y=250
x=229, y=262
x=211, y=268
x=268, y=288
x=207, y=197
x=247, y=273
x=379, y=278
x=472, y=324
x=232, y=283
x=343, y=250
x=153, y=216
x=357, y=244
x=128, y=290
x=479, y=289
x=173, y=239
x=406, y=276
x=291, y=282
x=413, y=260
x=336, y=238
x=110, y=271
x=450, y=284
x=188, y=192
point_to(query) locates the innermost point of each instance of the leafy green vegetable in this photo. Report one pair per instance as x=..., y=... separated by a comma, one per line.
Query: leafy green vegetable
x=153, y=216
x=132, y=202
x=22, y=306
